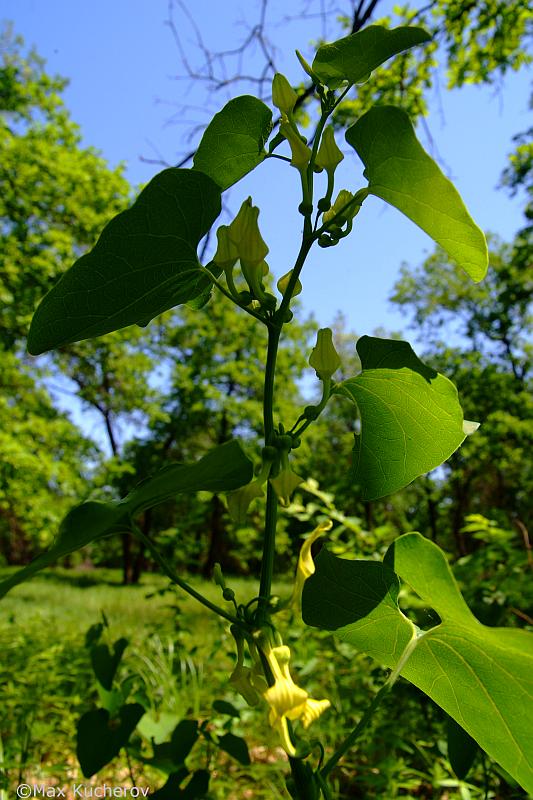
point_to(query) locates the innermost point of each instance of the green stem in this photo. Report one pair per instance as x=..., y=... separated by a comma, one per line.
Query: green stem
x=369, y=713
x=307, y=243
x=269, y=549
x=225, y=292
x=175, y=578
x=326, y=394
x=268, y=391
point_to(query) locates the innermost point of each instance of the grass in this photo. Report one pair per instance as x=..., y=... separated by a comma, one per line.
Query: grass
x=177, y=662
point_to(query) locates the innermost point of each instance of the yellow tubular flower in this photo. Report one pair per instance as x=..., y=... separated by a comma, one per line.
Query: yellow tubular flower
x=286, y=699
x=313, y=709
x=306, y=565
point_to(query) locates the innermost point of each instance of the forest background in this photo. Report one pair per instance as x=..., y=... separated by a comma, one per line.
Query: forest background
x=94, y=418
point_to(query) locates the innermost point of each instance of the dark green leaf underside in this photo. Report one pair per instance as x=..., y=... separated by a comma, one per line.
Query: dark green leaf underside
x=234, y=141
x=356, y=56
x=223, y=469
x=400, y=172
x=411, y=419
x=144, y=263
x=482, y=677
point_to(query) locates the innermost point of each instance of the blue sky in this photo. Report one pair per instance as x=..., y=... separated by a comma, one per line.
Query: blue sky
x=122, y=60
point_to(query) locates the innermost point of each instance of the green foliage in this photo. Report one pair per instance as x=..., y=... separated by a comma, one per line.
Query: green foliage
x=481, y=676
x=143, y=264
x=234, y=141
x=404, y=175
x=98, y=742
x=40, y=475
x=222, y=469
x=411, y=420
x=56, y=195
x=471, y=43
x=355, y=57
x=490, y=363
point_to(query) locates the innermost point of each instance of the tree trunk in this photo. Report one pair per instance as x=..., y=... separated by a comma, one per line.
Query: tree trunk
x=218, y=543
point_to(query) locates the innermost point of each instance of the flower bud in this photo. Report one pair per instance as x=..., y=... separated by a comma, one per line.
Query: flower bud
x=300, y=152
x=324, y=358
x=283, y=95
x=240, y=679
x=218, y=577
x=245, y=236
x=307, y=67
x=329, y=156
x=226, y=254
x=284, y=282
x=343, y=198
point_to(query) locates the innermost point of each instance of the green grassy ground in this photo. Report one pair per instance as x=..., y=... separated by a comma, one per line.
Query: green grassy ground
x=178, y=660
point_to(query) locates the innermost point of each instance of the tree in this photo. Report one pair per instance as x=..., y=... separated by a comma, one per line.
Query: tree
x=490, y=362
x=42, y=470
x=56, y=195
x=473, y=42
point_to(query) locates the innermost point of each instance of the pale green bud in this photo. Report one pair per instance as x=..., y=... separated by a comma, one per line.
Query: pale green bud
x=324, y=358
x=218, y=577
x=329, y=156
x=307, y=67
x=226, y=254
x=283, y=95
x=343, y=198
x=244, y=234
x=300, y=152
x=284, y=282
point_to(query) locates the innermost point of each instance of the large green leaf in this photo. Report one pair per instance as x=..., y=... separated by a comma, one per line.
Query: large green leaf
x=144, y=263
x=234, y=141
x=223, y=469
x=481, y=676
x=411, y=420
x=356, y=56
x=401, y=172
x=100, y=739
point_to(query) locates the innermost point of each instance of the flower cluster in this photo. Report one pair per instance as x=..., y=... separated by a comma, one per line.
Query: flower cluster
x=286, y=700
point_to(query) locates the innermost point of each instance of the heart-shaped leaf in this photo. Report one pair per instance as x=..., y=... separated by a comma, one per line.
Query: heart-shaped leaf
x=182, y=741
x=224, y=468
x=144, y=263
x=411, y=419
x=234, y=141
x=105, y=663
x=236, y=747
x=482, y=677
x=353, y=58
x=401, y=172
x=100, y=738
x=462, y=749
